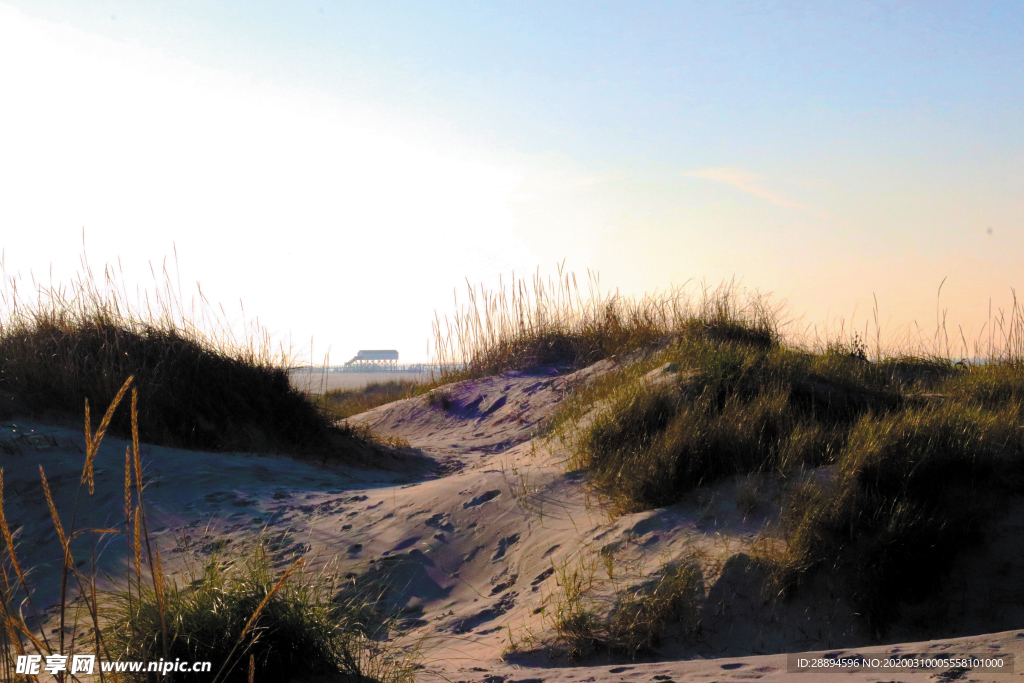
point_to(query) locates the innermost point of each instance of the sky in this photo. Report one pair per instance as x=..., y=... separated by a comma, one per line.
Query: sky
x=341, y=170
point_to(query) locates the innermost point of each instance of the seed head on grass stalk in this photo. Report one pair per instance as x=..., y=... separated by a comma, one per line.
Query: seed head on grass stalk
x=14, y=625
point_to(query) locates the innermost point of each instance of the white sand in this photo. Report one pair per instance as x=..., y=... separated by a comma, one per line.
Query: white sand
x=474, y=541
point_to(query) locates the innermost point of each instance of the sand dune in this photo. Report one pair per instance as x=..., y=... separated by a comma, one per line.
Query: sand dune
x=473, y=526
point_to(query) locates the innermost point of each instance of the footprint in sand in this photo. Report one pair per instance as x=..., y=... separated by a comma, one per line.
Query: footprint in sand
x=402, y=545
x=481, y=499
x=504, y=585
x=503, y=545
x=472, y=554
x=441, y=521
x=502, y=606
x=540, y=578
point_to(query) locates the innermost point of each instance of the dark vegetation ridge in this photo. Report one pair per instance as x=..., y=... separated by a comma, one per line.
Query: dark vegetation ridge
x=197, y=391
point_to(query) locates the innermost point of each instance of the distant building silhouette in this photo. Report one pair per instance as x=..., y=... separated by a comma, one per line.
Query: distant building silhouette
x=375, y=358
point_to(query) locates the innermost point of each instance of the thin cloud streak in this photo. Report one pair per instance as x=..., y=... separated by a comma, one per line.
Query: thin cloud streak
x=747, y=182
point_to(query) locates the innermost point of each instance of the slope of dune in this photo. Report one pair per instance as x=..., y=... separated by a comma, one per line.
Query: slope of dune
x=474, y=527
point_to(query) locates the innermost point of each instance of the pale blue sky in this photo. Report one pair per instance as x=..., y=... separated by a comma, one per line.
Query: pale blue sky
x=827, y=152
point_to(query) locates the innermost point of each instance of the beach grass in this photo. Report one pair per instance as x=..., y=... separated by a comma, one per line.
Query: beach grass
x=309, y=624
x=550, y=323
x=916, y=447
x=343, y=403
x=591, y=614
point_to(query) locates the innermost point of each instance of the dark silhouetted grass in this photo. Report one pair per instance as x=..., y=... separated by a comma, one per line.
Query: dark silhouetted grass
x=197, y=391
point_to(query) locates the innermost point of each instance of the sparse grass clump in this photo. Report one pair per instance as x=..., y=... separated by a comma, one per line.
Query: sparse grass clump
x=639, y=617
x=343, y=403
x=441, y=398
x=749, y=497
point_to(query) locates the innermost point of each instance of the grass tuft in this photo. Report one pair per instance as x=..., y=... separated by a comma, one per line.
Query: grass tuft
x=639, y=617
x=299, y=624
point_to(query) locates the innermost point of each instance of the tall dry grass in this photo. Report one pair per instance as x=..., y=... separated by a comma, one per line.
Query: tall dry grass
x=550, y=323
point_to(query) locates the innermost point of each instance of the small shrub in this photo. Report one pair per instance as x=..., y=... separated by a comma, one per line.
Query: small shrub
x=580, y=633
